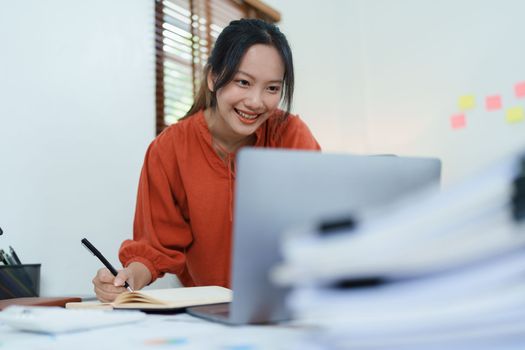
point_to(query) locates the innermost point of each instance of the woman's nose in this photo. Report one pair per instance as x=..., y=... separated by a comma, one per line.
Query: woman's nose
x=254, y=101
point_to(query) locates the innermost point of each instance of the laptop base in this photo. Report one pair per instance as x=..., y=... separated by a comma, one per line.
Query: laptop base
x=214, y=312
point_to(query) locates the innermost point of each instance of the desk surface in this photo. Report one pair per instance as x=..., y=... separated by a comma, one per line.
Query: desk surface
x=164, y=332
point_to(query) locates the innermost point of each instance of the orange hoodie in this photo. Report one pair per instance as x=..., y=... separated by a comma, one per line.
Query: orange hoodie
x=183, y=217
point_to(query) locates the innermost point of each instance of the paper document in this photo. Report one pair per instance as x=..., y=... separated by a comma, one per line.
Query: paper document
x=53, y=319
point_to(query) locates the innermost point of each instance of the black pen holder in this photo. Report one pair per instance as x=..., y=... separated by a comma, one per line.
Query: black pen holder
x=17, y=281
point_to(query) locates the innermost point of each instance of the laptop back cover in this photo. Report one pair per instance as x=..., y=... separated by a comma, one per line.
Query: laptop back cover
x=277, y=189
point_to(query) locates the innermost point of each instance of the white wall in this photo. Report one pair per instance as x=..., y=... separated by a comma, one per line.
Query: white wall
x=76, y=115
x=326, y=43
x=384, y=76
x=421, y=56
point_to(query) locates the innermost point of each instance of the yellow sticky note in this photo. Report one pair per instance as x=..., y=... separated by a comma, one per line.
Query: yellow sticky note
x=515, y=114
x=467, y=102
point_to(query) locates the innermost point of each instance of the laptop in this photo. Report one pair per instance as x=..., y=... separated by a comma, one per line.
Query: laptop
x=277, y=189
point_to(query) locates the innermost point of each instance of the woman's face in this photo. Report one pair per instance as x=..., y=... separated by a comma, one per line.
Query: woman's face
x=254, y=93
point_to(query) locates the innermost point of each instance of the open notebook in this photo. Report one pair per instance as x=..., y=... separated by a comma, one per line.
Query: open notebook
x=162, y=299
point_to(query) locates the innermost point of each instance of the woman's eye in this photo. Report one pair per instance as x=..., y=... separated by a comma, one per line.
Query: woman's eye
x=243, y=82
x=274, y=89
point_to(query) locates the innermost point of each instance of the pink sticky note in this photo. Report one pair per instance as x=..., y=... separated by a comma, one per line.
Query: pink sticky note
x=493, y=103
x=458, y=121
x=519, y=89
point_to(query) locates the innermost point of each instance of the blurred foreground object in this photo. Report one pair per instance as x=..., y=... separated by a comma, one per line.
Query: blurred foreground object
x=444, y=270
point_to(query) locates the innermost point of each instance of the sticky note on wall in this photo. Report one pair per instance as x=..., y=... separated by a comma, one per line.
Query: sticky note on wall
x=515, y=115
x=458, y=121
x=493, y=103
x=466, y=102
x=519, y=89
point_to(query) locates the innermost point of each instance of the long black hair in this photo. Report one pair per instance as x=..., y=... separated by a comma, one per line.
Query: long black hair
x=226, y=56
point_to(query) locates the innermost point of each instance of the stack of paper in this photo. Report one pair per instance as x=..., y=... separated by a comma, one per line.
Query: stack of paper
x=53, y=319
x=447, y=270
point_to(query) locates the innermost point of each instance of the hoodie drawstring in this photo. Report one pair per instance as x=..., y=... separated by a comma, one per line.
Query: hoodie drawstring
x=231, y=173
x=230, y=158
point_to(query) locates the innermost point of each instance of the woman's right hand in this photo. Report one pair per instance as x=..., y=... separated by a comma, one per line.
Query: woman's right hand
x=107, y=287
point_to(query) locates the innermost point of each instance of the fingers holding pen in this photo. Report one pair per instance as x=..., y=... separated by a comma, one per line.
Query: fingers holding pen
x=104, y=285
x=104, y=276
x=122, y=277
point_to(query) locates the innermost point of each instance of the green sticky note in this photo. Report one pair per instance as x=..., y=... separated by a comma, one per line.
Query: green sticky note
x=515, y=115
x=467, y=102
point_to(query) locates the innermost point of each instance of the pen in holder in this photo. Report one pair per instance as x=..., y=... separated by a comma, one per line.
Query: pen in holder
x=17, y=281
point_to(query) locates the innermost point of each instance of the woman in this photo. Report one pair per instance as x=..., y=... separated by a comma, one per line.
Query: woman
x=183, y=218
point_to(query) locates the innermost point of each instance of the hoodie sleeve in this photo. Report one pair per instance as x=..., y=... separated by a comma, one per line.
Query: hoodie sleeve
x=160, y=232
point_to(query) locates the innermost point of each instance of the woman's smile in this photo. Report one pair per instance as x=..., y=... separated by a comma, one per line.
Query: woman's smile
x=247, y=118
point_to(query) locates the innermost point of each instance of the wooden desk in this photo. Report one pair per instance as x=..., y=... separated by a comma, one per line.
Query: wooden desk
x=35, y=301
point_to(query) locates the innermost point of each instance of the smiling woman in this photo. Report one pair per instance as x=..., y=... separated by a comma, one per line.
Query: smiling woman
x=185, y=32
x=183, y=218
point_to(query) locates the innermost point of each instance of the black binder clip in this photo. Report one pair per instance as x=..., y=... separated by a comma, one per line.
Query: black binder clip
x=337, y=225
x=518, y=192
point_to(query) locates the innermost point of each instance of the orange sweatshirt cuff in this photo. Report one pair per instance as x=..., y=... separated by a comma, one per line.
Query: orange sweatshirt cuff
x=148, y=264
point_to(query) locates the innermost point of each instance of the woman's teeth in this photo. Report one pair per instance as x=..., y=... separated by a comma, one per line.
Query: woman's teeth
x=247, y=116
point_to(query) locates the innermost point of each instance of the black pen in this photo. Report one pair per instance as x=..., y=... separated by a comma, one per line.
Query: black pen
x=101, y=257
x=3, y=258
x=9, y=258
x=15, y=256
